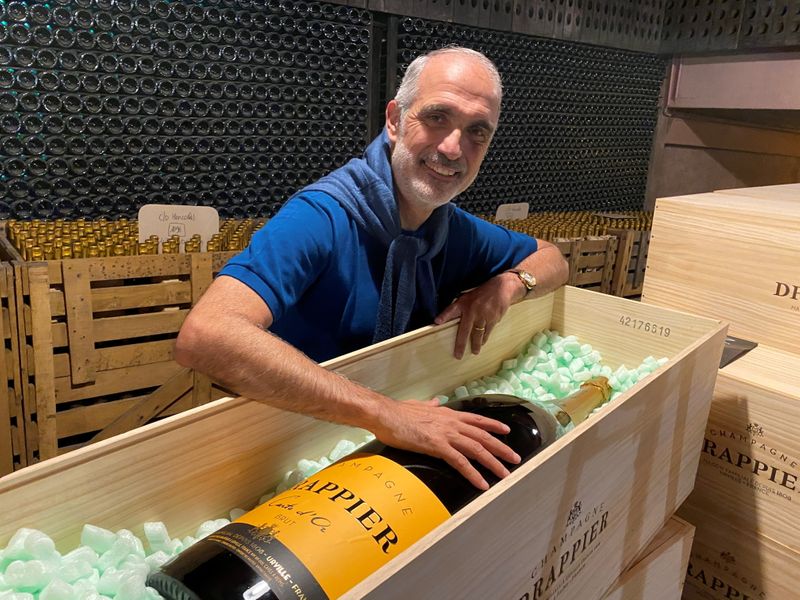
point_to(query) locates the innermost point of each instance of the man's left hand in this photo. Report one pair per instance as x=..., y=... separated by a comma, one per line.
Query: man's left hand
x=480, y=309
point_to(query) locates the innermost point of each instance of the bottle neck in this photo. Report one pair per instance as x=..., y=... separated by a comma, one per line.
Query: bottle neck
x=576, y=407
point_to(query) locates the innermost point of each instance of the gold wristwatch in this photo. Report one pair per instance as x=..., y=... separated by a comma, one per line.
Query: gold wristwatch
x=527, y=279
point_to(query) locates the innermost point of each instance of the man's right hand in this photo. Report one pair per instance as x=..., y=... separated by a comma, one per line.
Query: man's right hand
x=454, y=436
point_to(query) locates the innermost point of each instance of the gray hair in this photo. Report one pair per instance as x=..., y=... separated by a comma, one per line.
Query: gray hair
x=409, y=86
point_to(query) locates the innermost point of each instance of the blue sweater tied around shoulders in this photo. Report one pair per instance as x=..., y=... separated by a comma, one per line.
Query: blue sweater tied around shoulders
x=365, y=189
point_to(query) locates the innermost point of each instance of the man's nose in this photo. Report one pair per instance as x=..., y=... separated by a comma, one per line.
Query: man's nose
x=450, y=146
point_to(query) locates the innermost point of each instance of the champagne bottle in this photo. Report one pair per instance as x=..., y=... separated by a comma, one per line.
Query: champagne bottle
x=319, y=538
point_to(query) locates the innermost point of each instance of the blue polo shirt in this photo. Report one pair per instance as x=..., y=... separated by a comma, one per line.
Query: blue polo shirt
x=321, y=275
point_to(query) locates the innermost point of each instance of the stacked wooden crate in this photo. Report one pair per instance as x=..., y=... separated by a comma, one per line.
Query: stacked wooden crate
x=564, y=525
x=616, y=242
x=591, y=261
x=96, y=338
x=733, y=255
x=88, y=342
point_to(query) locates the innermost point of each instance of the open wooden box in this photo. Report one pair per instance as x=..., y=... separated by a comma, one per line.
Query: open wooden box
x=566, y=523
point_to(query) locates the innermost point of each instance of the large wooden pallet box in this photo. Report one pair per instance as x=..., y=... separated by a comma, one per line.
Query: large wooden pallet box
x=659, y=570
x=96, y=338
x=733, y=255
x=564, y=525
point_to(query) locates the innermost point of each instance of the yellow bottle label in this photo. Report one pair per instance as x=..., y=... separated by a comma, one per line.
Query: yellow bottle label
x=319, y=538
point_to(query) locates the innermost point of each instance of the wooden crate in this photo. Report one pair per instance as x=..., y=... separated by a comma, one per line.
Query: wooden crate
x=12, y=428
x=749, y=473
x=629, y=269
x=730, y=563
x=730, y=257
x=659, y=570
x=596, y=496
x=591, y=261
x=96, y=344
x=723, y=255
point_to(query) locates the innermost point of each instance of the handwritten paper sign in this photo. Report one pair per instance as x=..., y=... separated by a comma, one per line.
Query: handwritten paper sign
x=512, y=212
x=166, y=220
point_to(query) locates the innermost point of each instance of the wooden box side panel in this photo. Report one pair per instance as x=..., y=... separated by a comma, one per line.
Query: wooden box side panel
x=98, y=338
x=727, y=562
x=748, y=474
x=226, y=453
x=659, y=571
x=619, y=478
x=420, y=364
x=622, y=329
x=738, y=257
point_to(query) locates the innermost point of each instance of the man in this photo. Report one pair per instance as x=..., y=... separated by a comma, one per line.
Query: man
x=371, y=251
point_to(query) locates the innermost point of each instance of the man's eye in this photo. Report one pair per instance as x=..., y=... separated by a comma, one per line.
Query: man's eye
x=480, y=135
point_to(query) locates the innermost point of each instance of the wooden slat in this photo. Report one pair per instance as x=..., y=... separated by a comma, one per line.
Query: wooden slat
x=201, y=280
x=85, y=419
x=26, y=394
x=591, y=245
x=574, y=253
x=218, y=260
x=591, y=261
x=151, y=406
x=127, y=326
x=117, y=357
x=608, y=268
x=78, y=300
x=6, y=443
x=586, y=277
x=641, y=260
x=125, y=267
x=43, y=357
x=125, y=297
x=116, y=381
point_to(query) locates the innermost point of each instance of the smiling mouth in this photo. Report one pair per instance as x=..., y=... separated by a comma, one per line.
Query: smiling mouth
x=441, y=169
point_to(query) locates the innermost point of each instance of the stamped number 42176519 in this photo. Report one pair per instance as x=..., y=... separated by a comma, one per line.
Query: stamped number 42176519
x=649, y=326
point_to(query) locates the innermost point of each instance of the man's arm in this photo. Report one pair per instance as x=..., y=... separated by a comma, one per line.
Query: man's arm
x=226, y=337
x=482, y=308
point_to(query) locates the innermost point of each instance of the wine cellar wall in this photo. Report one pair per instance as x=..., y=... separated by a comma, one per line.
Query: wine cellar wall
x=106, y=106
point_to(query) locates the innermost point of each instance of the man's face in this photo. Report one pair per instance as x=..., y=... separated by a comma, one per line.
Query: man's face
x=441, y=140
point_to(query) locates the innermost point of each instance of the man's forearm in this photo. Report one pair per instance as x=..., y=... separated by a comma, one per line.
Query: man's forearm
x=259, y=365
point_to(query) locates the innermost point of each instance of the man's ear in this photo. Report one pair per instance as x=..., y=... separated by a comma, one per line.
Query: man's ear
x=393, y=120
